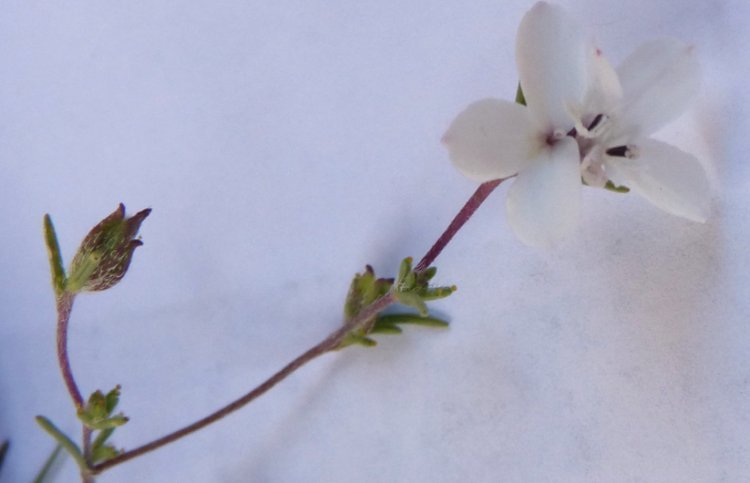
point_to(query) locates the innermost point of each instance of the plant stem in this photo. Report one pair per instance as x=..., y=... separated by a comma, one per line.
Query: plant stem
x=326, y=345
x=64, y=308
x=476, y=200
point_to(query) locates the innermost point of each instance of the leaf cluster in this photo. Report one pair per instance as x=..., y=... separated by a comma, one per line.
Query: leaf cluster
x=411, y=288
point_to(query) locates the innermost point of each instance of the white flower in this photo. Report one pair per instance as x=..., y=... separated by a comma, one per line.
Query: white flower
x=583, y=120
x=495, y=139
x=653, y=86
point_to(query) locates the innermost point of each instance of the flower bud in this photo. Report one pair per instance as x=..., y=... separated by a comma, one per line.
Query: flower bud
x=104, y=255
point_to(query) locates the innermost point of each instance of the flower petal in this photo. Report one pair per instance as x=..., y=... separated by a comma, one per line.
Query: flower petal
x=658, y=80
x=551, y=56
x=604, y=91
x=491, y=139
x=544, y=202
x=671, y=179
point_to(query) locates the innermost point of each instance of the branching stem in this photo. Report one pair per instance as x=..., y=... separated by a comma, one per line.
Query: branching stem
x=332, y=342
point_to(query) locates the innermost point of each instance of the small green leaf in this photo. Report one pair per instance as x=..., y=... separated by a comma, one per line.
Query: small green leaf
x=102, y=437
x=55, y=258
x=112, y=398
x=520, y=98
x=617, y=189
x=64, y=441
x=412, y=300
x=429, y=273
x=393, y=319
x=403, y=270
x=103, y=453
x=381, y=328
x=437, y=293
x=352, y=339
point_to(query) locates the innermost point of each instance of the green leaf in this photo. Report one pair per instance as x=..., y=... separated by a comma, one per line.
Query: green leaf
x=67, y=444
x=55, y=257
x=429, y=273
x=414, y=319
x=617, y=189
x=44, y=472
x=437, y=293
x=352, y=339
x=384, y=328
x=111, y=400
x=412, y=300
x=103, y=453
x=520, y=98
x=102, y=437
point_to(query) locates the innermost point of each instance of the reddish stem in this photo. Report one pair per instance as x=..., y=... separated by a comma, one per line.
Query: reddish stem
x=64, y=308
x=476, y=200
x=328, y=344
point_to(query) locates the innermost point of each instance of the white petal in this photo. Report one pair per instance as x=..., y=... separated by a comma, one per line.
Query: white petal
x=492, y=139
x=671, y=179
x=544, y=201
x=658, y=80
x=604, y=92
x=551, y=56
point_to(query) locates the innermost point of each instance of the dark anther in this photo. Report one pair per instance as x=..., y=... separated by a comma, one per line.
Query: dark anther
x=620, y=151
x=596, y=121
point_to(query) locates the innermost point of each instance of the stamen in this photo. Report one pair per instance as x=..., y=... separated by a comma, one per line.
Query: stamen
x=619, y=151
x=596, y=121
x=630, y=151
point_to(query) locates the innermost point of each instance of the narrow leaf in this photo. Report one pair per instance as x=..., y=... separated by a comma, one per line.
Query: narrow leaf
x=389, y=329
x=438, y=293
x=45, y=471
x=393, y=319
x=102, y=437
x=55, y=258
x=64, y=441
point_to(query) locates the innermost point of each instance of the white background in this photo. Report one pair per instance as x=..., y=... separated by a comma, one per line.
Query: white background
x=284, y=145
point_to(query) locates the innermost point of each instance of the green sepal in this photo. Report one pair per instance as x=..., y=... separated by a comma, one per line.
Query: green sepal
x=64, y=441
x=617, y=189
x=3, y=451
x=97, y=414
x=520, y=98
x=55, y=257
x=414, y=319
